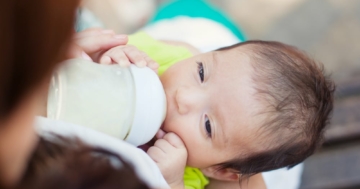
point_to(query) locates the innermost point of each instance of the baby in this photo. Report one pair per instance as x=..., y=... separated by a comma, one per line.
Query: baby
x=240, y=110
x=233, y=112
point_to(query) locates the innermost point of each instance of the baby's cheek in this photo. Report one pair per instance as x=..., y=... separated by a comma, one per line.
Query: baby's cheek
x=194, y=160
x=195, y=157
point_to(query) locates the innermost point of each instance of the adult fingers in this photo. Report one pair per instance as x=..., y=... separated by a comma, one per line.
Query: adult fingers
x=92, y=32
x=105, y=60
x=93, y=44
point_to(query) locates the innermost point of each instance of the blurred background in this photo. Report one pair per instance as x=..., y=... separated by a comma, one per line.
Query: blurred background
x=328, y=30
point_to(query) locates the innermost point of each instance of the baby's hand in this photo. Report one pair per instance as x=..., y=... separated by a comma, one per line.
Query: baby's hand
x=127, y=54
x=170, y=155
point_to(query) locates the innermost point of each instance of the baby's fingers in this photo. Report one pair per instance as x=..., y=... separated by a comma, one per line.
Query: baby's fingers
x=120, y=58
x=164, y=145
x=152, y=64
x=156, y=154
x=174, y=140
x=115, y=55
x=160, y=134
x=135, y=56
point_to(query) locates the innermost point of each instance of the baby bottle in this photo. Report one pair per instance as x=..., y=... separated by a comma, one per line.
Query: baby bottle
x=127, y=103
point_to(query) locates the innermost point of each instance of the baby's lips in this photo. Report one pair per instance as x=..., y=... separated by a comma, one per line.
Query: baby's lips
x=160, y=134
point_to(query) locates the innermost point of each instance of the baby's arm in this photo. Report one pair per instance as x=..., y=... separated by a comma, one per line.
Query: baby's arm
x=170, y=155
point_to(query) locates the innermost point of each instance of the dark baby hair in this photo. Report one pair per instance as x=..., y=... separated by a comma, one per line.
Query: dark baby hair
x=68, y=163
x=298, y=100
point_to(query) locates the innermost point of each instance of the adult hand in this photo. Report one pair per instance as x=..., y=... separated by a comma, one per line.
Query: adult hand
x=91, y=43
x=170, y=155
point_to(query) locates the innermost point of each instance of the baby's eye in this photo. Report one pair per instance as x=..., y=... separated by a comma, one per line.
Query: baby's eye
x=207, y=126
x=201, y=71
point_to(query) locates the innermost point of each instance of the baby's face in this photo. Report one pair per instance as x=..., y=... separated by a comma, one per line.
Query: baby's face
x=211, y=106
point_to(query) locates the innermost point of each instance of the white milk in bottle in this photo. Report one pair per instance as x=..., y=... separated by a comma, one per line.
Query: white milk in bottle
x=127, y=103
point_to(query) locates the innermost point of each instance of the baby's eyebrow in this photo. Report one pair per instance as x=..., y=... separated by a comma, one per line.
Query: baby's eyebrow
x=211, y=65
x=215, y=59
x=220, y=135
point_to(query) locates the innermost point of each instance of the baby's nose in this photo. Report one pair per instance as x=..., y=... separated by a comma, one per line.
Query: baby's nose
x=188, y=99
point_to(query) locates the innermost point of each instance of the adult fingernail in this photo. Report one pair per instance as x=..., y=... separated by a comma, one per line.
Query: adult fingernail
x=85, y=56
x=107, y=31
x=120, y=36
x=105, y=60
x=123, y=63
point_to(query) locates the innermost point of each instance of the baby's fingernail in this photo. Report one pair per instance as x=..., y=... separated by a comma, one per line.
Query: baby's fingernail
x=120, y=36
x=160, y=134
x=154, y=65
x=142, y=63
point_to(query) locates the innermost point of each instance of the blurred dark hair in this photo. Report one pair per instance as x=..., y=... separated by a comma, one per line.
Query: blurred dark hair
x=34, y=36
x=68, y=163
x=298, y=100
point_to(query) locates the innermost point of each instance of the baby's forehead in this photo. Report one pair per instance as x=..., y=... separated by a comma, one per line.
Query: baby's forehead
x=238, y=54
x=237, y=62
x=235, y=95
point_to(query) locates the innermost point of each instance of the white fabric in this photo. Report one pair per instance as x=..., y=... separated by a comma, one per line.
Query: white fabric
x=204, y=34
x=144, y=166
x=283, y=178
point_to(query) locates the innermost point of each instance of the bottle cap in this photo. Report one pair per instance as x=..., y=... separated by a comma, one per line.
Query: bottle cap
x=150, y=106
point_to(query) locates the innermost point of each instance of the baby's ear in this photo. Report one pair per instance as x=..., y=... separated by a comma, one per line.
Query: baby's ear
x=220, y=174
